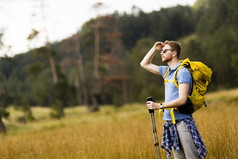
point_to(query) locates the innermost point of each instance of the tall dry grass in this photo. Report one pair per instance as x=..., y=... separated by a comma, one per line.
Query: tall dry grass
x=122, y=133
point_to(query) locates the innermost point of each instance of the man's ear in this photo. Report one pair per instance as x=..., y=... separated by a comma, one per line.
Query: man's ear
x=174, y=53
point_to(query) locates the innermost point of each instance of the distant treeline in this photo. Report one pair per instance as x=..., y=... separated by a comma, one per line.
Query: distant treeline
x=207, y=31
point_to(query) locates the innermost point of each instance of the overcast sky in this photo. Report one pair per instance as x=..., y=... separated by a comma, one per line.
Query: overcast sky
x=62, y=18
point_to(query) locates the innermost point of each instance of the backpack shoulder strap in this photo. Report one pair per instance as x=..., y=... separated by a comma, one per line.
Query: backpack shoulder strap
x=165, y=75
x=184, y=63
x=175, y=76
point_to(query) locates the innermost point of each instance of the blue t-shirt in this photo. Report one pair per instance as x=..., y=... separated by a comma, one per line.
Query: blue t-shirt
x=171, y=91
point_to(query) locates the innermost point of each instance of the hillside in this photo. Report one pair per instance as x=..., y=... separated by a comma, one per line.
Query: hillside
x=78, y=114
x=71, y=71
x=223, y=96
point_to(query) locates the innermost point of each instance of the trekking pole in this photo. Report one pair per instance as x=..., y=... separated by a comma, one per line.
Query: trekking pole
x=152, y=117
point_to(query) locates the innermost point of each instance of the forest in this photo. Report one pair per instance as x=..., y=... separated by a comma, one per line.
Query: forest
x=100, y=64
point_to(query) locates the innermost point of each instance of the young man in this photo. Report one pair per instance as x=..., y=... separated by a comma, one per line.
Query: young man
x=183, y=137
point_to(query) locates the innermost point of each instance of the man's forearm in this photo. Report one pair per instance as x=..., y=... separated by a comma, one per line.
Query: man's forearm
x=148, y=57
x=146, y=61
x=174, y=103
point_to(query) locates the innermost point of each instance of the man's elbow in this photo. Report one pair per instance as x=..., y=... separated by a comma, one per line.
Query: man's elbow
x=142, y=64
x=183, y=101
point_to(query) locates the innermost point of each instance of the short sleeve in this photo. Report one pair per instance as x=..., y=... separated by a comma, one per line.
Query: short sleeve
x=184, y=76
x=162, y=70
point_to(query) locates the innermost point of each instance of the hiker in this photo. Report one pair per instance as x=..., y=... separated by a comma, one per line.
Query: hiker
x=182, y=137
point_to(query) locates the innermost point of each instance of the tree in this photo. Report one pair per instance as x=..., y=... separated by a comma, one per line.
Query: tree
x=4, y=98
x=80, y=70
x=98, y=86
x=4, y=95
x=72, y=47
x=217, y=33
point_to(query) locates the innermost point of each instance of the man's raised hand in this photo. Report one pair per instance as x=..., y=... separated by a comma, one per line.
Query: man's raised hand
x=158, y=45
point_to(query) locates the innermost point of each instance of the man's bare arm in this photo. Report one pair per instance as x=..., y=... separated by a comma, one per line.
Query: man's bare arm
x=146, y=62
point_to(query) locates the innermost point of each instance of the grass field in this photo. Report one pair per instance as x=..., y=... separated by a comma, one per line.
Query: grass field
x=116, y=133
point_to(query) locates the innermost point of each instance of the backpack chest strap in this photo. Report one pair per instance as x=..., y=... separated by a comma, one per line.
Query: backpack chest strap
x=166, y=80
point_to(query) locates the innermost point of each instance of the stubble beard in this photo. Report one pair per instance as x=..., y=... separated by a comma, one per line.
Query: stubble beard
x=166, y=59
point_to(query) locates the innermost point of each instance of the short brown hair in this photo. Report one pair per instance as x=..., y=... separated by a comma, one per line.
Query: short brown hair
x=174, y=46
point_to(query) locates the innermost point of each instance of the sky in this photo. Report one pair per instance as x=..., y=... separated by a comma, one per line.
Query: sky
x=59, y=18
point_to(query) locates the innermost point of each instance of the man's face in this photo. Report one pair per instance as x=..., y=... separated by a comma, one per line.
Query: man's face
x=166, y=53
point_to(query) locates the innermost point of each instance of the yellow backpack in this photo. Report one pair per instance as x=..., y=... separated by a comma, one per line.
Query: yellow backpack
x=201, y=77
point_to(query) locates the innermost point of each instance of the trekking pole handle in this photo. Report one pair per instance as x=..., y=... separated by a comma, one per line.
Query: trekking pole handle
x=150, y=99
